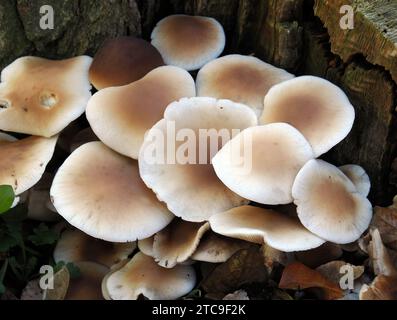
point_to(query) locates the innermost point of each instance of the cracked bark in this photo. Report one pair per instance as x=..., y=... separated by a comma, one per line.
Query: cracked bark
x=363, y=61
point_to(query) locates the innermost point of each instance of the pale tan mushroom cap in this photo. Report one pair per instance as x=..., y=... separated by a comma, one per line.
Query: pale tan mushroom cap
x=123, y=60
x=177, y=242
x=261, y=163
x=328, y=203
x=358, y=176
x=75, y=246
x=120, y=116
x=215, y=248
x=41, y=97
x=242, y=79
x=320, y=110
x=6, y=137
x=188, y=42
x=100, y=192
x=193, y=191
x=88, y=285
x=260, y=226
x=143, y=276
x=23, y=162
x=146, y=246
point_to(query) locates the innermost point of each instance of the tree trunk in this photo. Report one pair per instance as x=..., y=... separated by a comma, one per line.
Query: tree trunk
x=302, y=36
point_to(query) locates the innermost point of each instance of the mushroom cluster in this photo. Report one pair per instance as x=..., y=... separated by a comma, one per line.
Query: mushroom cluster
x=191, y=169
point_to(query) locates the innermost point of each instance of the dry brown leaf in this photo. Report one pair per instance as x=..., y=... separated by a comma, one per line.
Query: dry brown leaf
x=244, y=267
x=382, y=288
x=297, y=276
x=385, y=220
x=273, y=257
x=32, y=291
x=331, y=270
x=61, y=286
x=318, y=256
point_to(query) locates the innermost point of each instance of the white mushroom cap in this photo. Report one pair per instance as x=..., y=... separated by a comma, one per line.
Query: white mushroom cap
x=75, y=246
x=188, y=42
x=41, y=97
x=143, y=276
x=260, y=226
x=215, y=248
x=192, y=190
x=122, y=60
x=358, y=176
x=100, y=192
x=177, y=242
x=243, y=79
x=320, y=110
x=120, y=116
x=328, y=203
x=271, y=157
x=23, y=162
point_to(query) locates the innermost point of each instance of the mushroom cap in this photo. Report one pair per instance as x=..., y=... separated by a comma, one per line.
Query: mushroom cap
x=120, y=116
x=260, y=226
x=6, y=137
x=320, y=110
x=215, y=248
x=23, y=162
x=100, y=192
x=177, y=242
x=146, y=246
x=39, y=200
x=329, y=204
x=120, y=61
x=75, y=246
x=143, y=276
x=188, y=42
x=88, y=285
x=358, y=176
x=243, y=79
x=192, y=190
x=41, y=97
x=261, y=163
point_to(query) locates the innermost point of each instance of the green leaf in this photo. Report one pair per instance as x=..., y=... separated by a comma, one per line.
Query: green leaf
x=7, y=197
x=43, y=236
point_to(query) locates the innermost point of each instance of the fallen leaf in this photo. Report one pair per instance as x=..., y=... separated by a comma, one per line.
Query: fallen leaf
x=273, y=257
x=61, y=285
x=244, y=267
x=332, y=270
x=297, y=276
x=382, y=288
x=237, y=295
x=385, y=220
x=32, y=291
x=318, y=256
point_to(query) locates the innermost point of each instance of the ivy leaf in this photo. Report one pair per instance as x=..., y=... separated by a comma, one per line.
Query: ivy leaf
x=43, y=236
x=7, y=197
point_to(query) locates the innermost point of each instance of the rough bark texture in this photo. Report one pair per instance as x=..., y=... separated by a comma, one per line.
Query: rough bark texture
x=302, y=36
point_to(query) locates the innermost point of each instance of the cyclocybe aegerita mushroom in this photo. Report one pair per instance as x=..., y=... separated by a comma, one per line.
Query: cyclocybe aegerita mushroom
x=175, y=159
x=120, y=61
x=320, y=110
x=23, y=162
x=143, y=276
x=329, y=204
x=177, y=242
x=243, y=79
x=41, y=97
x=189, y=42
x=146, y=246
x=215, y=248
x=260, y=226
x=358, y=176
x=100, y=192
x=38, y=199
x=6, y=137
x=272, y=156
x=120, y=116
x=75, y=246
x=87, y=286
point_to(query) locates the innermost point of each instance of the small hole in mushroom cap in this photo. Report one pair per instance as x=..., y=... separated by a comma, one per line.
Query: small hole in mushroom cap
x=48, y=100
x=4, y=104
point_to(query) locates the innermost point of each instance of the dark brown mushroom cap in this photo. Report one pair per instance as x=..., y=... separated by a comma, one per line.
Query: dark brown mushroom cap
x=188, y=42
x=123, y=60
